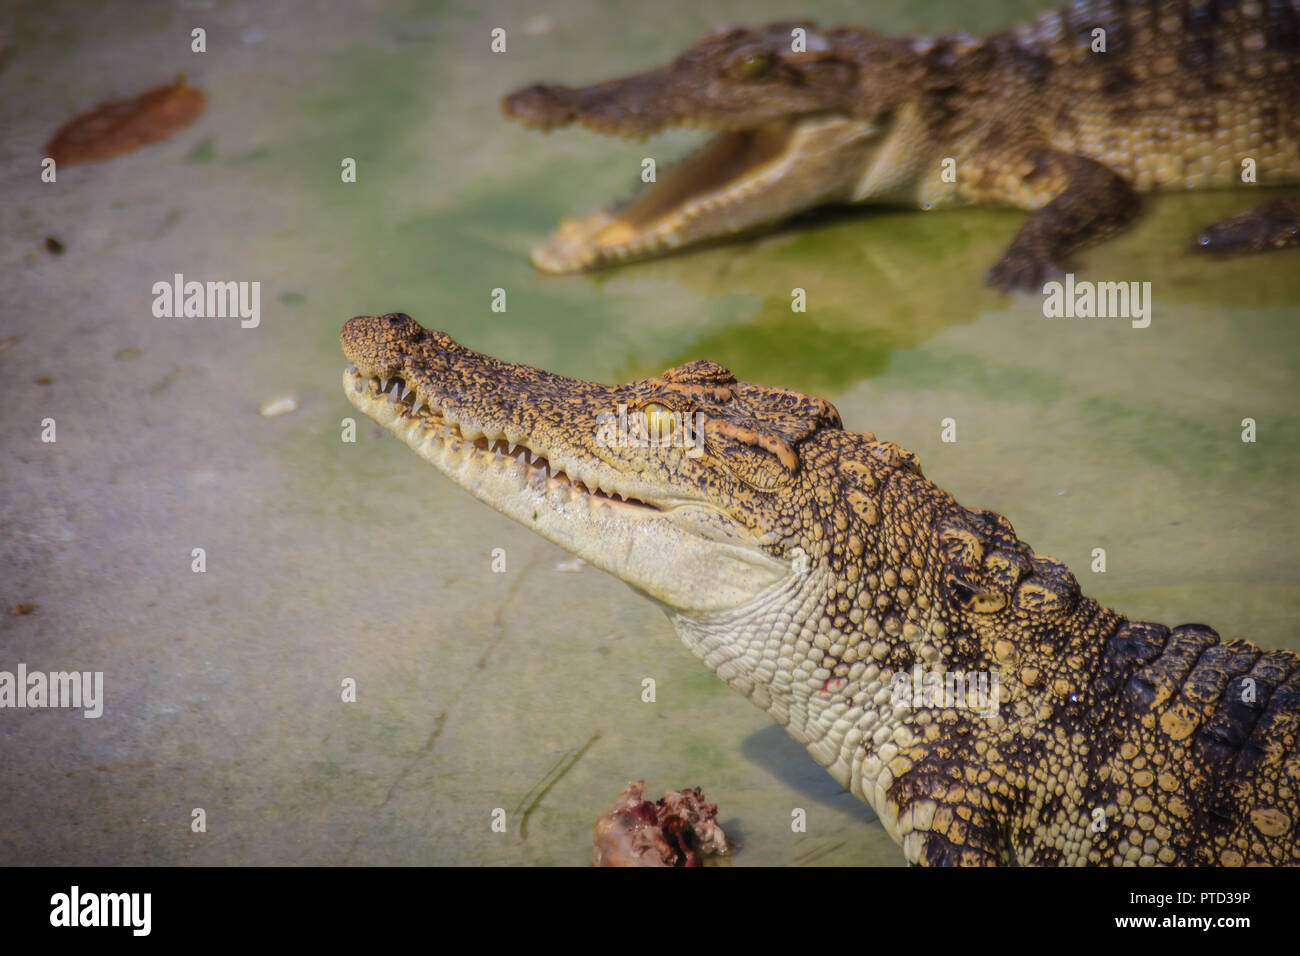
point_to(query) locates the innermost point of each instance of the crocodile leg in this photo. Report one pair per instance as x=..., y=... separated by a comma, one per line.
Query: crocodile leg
x=969, y=840
x=1076, y=200
x=945, y=819
x=1271, y=225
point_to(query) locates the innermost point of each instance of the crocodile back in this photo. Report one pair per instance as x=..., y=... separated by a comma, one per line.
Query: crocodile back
x=1202, y=766
x=1169, y=94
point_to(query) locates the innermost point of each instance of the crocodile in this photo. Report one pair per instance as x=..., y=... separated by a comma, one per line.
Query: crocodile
x=941, y=670
x=1069, y=117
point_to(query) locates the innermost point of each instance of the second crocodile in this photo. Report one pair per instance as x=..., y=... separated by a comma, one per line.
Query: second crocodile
x=1069, y=117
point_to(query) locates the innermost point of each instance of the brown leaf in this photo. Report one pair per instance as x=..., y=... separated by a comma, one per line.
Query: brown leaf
x=121, y=126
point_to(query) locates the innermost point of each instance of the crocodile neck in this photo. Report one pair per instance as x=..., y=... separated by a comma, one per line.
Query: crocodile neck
x=860, y=661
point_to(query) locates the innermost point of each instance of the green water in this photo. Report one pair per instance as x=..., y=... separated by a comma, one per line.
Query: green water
x=328, y=561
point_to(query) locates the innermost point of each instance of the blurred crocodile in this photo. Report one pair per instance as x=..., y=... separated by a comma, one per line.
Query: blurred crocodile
x=1069, y=116
x=925, y=656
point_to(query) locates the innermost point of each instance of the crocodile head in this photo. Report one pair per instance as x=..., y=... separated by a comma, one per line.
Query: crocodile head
x=794, y=130
x=807, y=565
x=665, y=482
x=703, y=492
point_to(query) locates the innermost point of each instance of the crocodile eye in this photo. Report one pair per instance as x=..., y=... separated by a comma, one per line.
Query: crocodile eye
x=659, y=420
x=975, y=599
x=754, y=65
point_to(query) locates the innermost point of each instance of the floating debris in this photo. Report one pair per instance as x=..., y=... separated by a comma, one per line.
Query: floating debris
x=174, y=375
x=54, y=246
x=43, y=380
x=20, y=609
x=9, y=342
x=280, y=406
x=676, y=831
x=572, y=566
x=121, y=126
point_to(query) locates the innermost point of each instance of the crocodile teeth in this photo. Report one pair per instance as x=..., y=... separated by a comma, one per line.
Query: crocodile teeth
x=458, y=446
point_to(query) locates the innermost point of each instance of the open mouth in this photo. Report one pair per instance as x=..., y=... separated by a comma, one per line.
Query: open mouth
x=740, y=181
x=709, y=174
x=458, y=446
x=713, y=182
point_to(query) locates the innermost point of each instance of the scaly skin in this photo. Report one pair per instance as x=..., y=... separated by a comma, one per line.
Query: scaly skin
x=1031, y=117
x=809, y=567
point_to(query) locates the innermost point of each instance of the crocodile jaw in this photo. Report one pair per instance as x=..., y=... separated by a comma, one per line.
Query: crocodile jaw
x=688, y=556
x=741, y=181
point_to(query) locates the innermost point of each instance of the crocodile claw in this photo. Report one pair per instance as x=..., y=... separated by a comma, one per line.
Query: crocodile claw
x=1022, y=272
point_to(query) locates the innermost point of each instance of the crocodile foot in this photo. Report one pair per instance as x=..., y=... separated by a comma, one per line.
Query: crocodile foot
x=1272, y=225
x=1022, y=271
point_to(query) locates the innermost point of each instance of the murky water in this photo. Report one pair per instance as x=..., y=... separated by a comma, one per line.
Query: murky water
x=329, y=561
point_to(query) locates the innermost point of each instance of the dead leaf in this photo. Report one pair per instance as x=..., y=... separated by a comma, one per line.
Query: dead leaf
x=121, y=126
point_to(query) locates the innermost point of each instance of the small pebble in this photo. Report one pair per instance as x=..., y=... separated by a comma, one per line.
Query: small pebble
x=280, y=406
